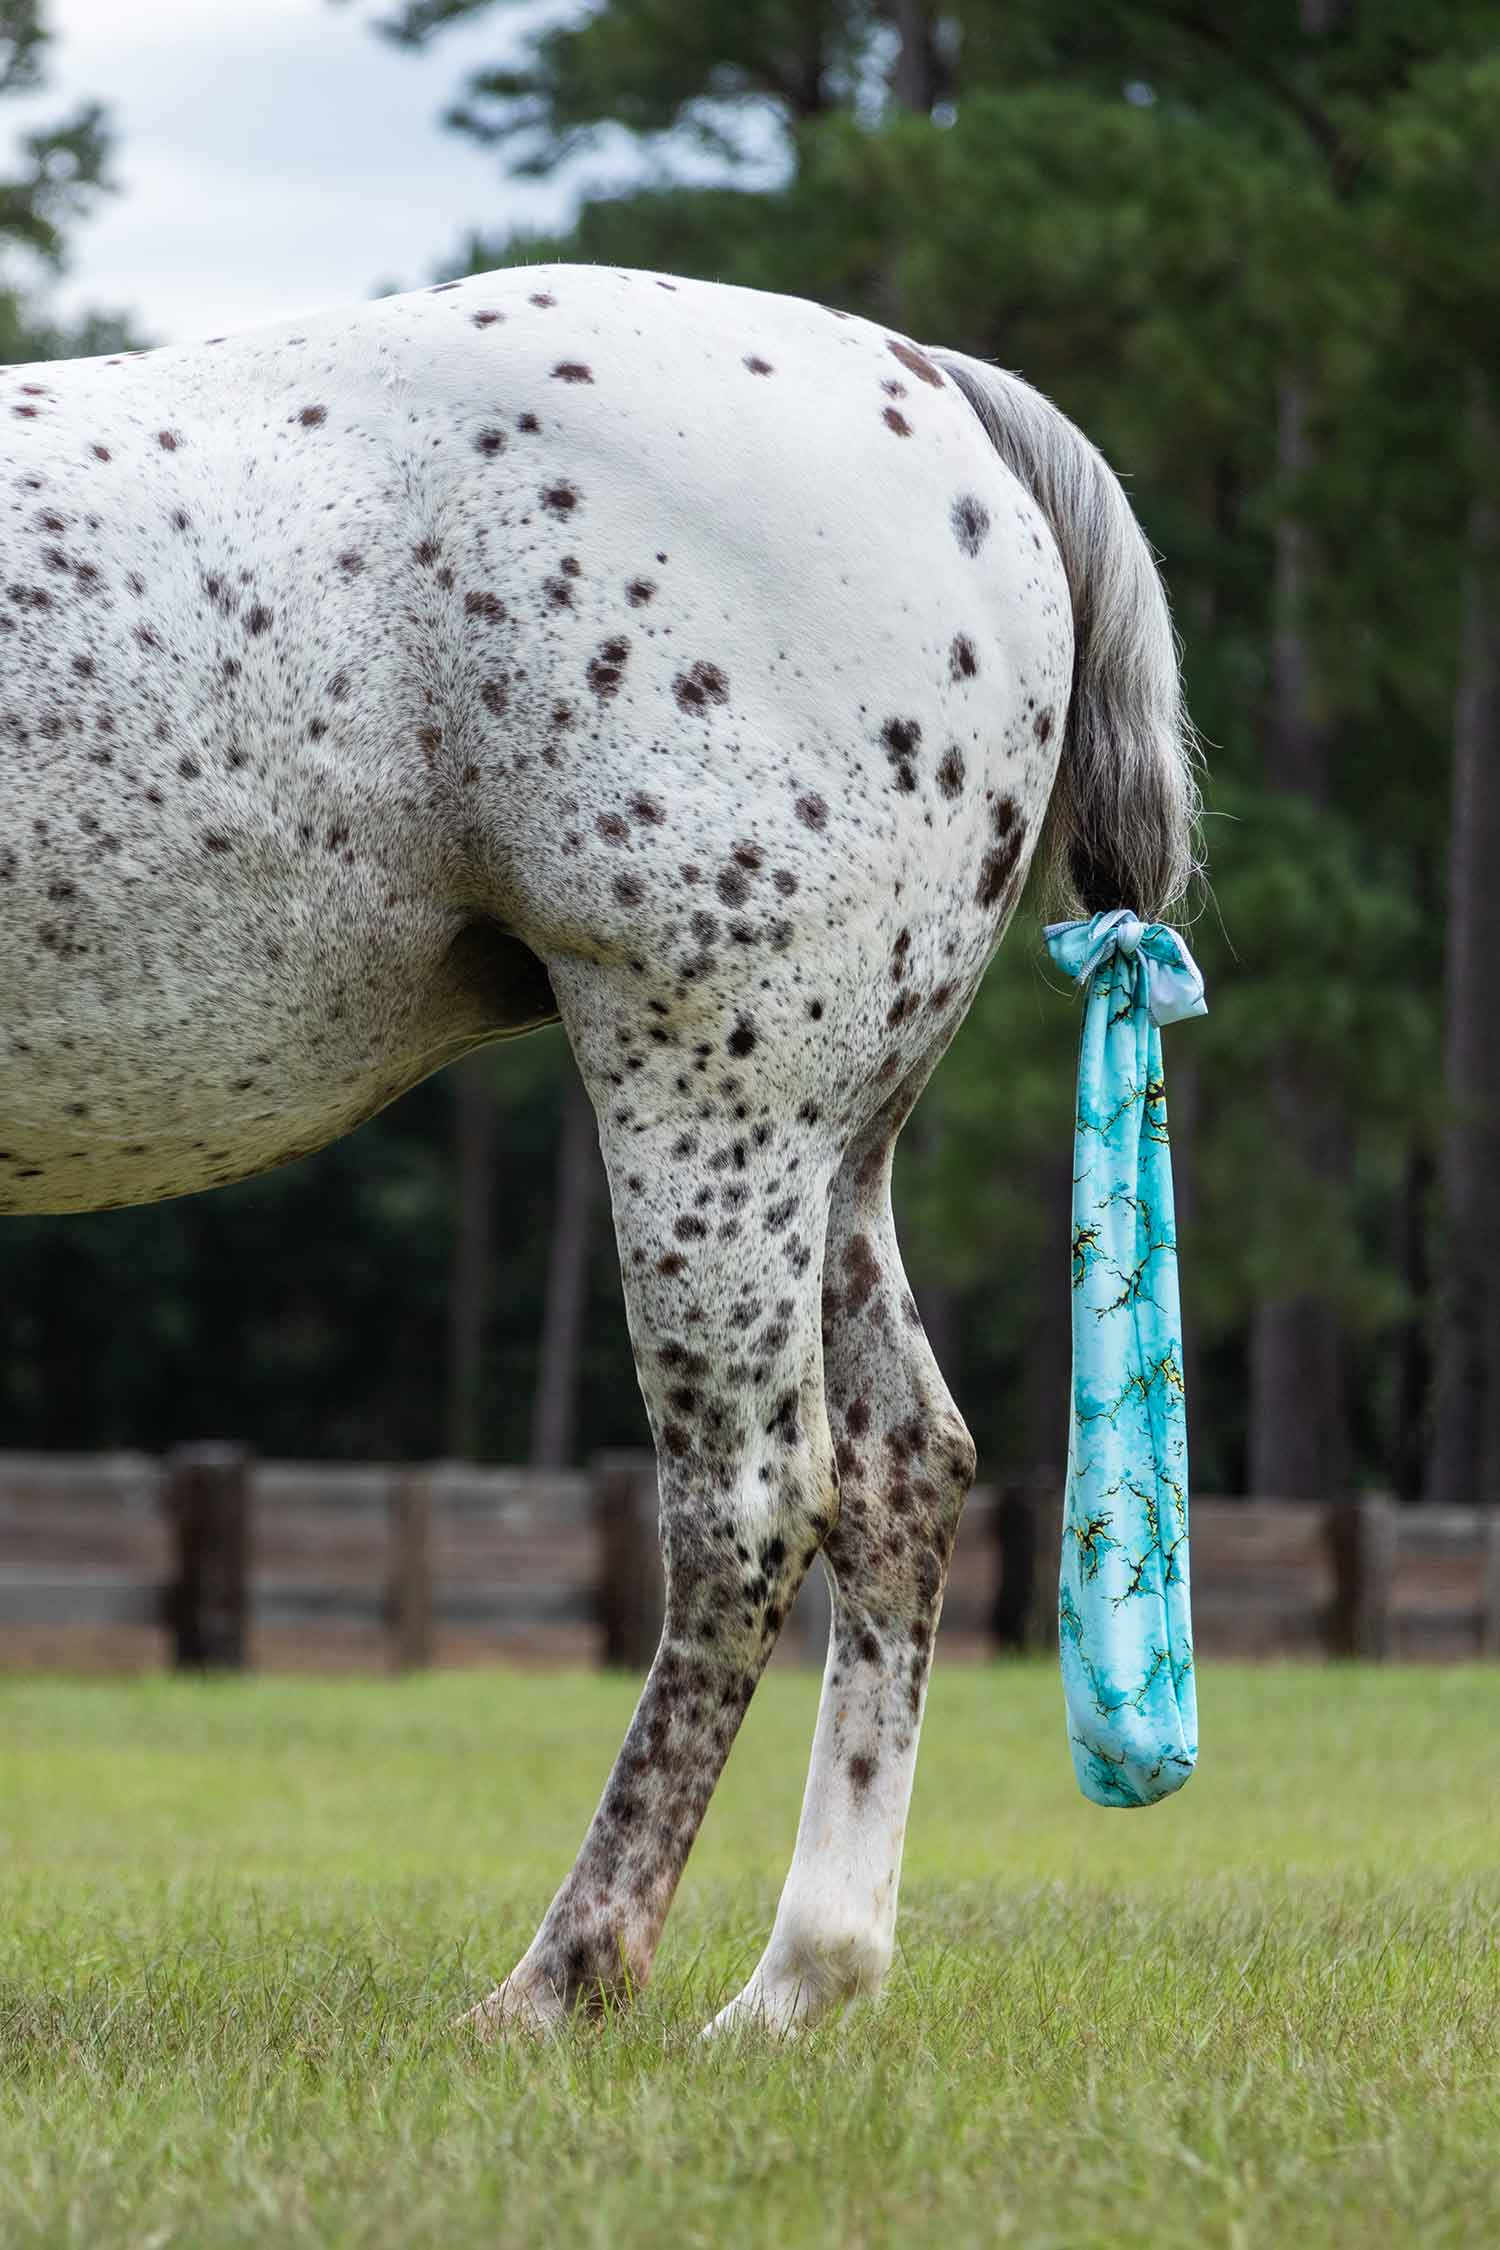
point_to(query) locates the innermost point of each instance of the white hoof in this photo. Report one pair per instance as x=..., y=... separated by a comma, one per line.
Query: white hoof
x=802, y=1980
x=764, y=2007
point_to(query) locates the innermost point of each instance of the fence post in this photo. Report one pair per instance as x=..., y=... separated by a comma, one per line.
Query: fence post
x=631, y=1594
x=409, y=1585
x=1489, y=1582
x=208, y=1505
x=1362, y=1534
x=1028, y=1529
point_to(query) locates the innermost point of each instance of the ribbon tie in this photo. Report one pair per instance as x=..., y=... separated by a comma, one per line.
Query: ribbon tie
x=1174, y=981
x=1124, y=1619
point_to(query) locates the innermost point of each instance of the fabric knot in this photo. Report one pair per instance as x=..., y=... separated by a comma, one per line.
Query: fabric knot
x=1173, y=980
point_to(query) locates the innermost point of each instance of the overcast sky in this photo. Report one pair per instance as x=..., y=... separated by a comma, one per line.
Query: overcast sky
x=274, y=155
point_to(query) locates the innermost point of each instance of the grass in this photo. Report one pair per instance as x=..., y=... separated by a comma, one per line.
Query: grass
x=237, y=1919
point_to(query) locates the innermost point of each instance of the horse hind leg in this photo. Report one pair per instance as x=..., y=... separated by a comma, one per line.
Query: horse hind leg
x=720, y=1200
x=906, y=1462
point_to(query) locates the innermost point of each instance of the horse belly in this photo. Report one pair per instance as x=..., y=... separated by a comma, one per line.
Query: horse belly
x=223, y=921
x=193, y=1041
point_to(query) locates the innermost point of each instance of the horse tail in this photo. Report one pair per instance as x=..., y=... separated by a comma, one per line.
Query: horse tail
x=1121, y=827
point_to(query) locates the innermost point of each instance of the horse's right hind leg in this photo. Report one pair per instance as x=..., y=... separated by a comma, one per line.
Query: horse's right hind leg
x=719, y=1183
x=906, y=1462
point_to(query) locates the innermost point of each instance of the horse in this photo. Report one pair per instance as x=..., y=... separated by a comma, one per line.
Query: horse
x=698, y=666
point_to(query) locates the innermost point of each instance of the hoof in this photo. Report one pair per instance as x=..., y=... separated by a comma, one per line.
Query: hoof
x=805, y=1977
x=779, y=2012
x=510, y=2010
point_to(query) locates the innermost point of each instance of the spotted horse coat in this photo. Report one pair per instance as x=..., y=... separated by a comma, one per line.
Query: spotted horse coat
x=681, y=661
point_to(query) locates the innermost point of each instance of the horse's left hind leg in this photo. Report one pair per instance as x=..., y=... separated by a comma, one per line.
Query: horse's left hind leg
x=720, y=1194
x=906, y=1462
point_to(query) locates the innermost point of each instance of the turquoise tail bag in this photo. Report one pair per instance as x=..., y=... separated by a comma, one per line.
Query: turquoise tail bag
x=1124, y=1617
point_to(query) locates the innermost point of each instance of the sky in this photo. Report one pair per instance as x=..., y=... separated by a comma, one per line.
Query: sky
x=274, y=156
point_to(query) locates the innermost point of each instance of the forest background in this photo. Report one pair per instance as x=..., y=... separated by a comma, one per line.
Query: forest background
x=1252, y=250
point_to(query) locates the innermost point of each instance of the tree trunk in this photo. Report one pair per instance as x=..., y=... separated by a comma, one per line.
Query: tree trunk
x=1413, y=1343
x=1298, y=1436
x=1297, y=1439
x=917, y=76
x=1297, y=1448
x=473, y=1252
x=1297, y=745
x=1184, y=1108
x=937, y=1306
x=1465, y=1463
x=578, y=1173
x=1047, y=1376
x=936, y=1301
x=65, y=1392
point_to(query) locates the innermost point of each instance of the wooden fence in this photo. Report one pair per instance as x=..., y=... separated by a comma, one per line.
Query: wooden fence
x=213, y=1560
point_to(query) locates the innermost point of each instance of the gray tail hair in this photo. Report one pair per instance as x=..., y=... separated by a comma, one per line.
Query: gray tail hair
x=1121, y=828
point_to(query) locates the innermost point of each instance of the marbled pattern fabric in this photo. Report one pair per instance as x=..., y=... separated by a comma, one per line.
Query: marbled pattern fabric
x=1124, y=1616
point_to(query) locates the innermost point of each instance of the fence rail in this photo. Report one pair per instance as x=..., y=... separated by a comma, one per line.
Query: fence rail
x=213, y=1560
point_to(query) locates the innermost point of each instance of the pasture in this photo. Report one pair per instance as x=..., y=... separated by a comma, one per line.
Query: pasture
x=236, y=1921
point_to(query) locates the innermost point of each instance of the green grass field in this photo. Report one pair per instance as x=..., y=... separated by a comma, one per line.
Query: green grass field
x=237, y=1920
